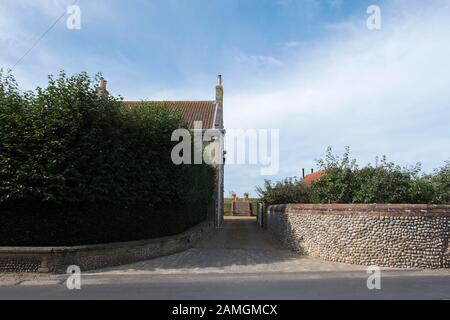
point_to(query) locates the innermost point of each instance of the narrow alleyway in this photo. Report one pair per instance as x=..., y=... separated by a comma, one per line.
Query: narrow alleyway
x=240, y=246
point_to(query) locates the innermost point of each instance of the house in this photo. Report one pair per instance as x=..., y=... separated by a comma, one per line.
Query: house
x=309, y=179
x=210, y=114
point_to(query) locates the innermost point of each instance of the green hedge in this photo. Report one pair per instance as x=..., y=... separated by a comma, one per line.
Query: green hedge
x=345, y=182
x=76, y=168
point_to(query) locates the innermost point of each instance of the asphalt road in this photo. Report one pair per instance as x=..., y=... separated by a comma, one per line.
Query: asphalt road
x=238, y=262
x=249, y=287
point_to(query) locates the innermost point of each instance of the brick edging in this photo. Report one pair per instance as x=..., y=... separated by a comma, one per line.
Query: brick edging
x=394, y=210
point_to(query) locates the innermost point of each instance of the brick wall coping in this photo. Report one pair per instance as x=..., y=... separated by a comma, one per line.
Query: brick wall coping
x=394, y=210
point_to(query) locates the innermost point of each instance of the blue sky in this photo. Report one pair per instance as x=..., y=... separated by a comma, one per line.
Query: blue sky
x=309, y=68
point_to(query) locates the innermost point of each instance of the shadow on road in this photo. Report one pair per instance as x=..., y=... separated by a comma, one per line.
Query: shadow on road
x=239, y=243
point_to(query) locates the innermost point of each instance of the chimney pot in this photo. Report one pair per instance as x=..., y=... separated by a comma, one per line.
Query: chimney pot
x=102, y=84
x=219, y=103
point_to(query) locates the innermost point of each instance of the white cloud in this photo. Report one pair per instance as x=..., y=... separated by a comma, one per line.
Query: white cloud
x=23, y=22
x=290, y=45
x=394, y=69
x=335, y=3
x=380, y=92
x=258, y=60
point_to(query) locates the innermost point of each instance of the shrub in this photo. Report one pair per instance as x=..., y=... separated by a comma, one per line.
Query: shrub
x=287, y=191
x=77, y=168
x=388, y=183
x=345, y=182
x=440, y=182
x=339, y=183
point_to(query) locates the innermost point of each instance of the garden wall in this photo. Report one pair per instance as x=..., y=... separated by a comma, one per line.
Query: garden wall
x=403, y=236
x=56, y=260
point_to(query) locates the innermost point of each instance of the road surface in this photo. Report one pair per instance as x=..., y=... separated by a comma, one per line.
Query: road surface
x=239, y=261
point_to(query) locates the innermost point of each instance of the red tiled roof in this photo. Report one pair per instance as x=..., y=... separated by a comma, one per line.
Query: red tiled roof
x=191, y=111
x=314, y=176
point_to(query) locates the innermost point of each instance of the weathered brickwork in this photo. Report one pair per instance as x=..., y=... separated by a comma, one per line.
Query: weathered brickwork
x=403, y=236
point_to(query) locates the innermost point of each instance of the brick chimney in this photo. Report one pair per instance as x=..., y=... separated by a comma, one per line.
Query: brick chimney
x=101, y=90
x=219, y=103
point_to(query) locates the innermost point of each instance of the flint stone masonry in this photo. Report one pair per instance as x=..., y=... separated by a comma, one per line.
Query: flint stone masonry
x=400, y=236
x=56, y=260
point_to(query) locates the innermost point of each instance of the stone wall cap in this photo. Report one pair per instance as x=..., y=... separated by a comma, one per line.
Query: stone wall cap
x=423, y=210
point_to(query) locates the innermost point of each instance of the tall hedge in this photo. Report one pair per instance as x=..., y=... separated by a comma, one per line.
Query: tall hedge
x=77, y=168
